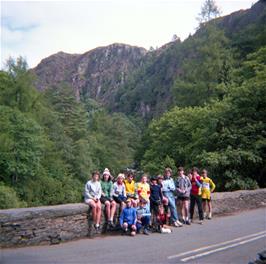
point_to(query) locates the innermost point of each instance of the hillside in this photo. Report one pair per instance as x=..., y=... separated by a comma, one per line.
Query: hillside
x=131, y=80
x=96, y=74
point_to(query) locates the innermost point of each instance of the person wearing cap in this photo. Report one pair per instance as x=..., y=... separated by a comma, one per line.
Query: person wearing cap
x=143, y=217
x=131, y=192
x=107, y=197
x=128, y=218
x=119, y=191
x=183, y=187
x=92, y=195
x=168, y=191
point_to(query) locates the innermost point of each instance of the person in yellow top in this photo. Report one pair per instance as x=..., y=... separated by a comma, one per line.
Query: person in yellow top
x=208, y=187
x=143, y=190
x=131, y=190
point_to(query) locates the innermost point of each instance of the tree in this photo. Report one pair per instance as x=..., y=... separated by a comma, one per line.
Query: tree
x=209, y=10
x=206, y=71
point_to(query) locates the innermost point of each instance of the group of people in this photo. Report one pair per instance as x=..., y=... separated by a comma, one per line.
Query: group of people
x=149, y=203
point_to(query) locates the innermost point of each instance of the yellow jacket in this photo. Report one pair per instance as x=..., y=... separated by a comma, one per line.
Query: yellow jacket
x=143, y=190
x=208, y=187
x=130, y=187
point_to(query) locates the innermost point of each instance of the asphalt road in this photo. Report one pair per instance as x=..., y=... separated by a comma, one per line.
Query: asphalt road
x=229, y=239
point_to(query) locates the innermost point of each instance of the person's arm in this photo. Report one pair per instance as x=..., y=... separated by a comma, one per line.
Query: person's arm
x=149, y=191
x=99, y=191
x=111, y=191
x=161, y=193
x=177, y=185
x=88, y=191
x=212, y=185
x=136, y=191
x=189, y=185
x=124, y=190
x=115, y=190
x=198, y=182
x=172, y=185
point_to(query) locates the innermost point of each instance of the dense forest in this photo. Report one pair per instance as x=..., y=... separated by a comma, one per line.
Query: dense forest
x=206, y=98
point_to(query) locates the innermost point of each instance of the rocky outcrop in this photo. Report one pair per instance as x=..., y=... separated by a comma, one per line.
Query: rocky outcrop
x=55, y=224
x=96, y=74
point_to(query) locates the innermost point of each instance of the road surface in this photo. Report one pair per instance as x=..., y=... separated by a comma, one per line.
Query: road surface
x=229, y=239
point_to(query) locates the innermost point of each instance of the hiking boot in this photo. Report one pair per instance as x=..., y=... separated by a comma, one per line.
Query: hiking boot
x=187, y=222
x=179, y=223
x=145, y=232
x=97, y=229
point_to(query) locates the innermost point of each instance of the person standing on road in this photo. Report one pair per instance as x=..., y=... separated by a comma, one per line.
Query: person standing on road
x=208, y=187
x=107, y=197
x=195, y=195
x=92, y=195
x=183, y=187
x=168, y=189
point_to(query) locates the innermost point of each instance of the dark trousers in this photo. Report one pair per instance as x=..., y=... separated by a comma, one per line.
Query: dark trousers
x=196, y=199
x=145, y=221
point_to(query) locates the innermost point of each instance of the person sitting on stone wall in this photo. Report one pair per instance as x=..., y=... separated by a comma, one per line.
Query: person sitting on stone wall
x=92, y=195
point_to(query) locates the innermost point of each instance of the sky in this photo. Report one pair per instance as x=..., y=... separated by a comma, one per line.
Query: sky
x=38, y=29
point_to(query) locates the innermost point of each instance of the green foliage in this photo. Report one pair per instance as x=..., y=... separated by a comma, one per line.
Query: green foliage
x=209, y=10
x=50, y=142
x=226, y=136
x=206, y=72
x=9, y=198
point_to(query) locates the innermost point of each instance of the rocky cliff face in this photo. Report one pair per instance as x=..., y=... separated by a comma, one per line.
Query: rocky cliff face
x=96, y=74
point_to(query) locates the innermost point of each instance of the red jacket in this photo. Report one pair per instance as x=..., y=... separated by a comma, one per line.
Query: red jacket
x=196, y=185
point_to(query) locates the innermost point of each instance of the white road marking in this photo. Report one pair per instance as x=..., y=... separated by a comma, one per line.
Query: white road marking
x=223, y=248
x=216, y=245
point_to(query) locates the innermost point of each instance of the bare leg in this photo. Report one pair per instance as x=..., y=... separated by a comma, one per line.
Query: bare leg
x=92, y=205
x=204, y=203
x=98, y=212
x=113, y=209
x=210, y=209
x=186, y=209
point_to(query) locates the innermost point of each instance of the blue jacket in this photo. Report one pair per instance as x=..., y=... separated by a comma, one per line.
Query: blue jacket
x=128, y=215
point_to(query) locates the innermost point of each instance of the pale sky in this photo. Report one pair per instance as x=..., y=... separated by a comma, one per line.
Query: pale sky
x=37, y=29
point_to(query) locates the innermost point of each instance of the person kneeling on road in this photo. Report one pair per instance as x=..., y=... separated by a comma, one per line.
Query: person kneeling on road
x=128, y=218
x=143, y=217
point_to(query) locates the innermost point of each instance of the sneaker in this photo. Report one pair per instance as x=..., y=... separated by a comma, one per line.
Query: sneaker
x=201, y=222
x=145, y=232
x=210, y=216
x=179, y=224
x=97, y=229
x=205, y=215
x=187, y=222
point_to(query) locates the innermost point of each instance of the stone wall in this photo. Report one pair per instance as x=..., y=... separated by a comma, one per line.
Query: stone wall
x=55, y=224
